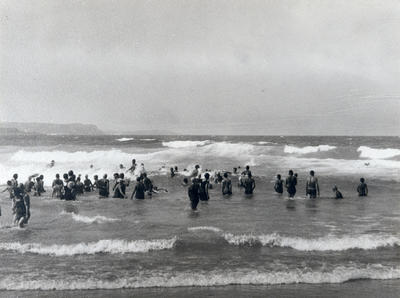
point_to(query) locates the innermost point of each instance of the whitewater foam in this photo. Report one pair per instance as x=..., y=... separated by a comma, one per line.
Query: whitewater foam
x=125, y=139
x=142, y=279
x=328, y=243
x=185, y=144
x=204, y=228
x=114, y=246
x=88, y=219
x=307, y=149
x=372, y=153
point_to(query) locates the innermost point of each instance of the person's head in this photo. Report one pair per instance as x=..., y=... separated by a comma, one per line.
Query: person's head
x=234, y=170
x=334, y=188
x=41, y=177
x=52, y=161
x=116, y=175
x=37, y=179
x=70, y=173
x=21, y=186
x=86, y=176
x=295, y=174
x=138, y=179
x=121, y=175
x=9, y=183
x=15, y=176
x=91, y=166
x=185, y=180
x=362, y=180
x=290, y=173
x=196, y=166
x=247, y=168
x=105, y=176
x=65, y=176
x=133, y=161
x=226, y=175
x=207, y=176
x=144, y=175
x=312, y=173
x=176, y=168
x=95, y=177
x=121, y=166
x=278, y=176
x=57, y=176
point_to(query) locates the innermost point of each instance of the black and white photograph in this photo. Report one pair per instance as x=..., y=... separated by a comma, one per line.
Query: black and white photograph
x=199, y=148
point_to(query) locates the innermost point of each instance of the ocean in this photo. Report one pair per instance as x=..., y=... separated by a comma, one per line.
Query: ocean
x=238, y=246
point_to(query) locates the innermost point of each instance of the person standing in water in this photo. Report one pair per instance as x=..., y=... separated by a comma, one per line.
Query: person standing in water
x=88, y=185
x=338, y=194
x=14, y=181
x=312, y=187
x=226, y=185
x=104, y=187
x=195, y=171
x=193, y=193
x=278, y=184
x=21, y=206
x=133, y=167
x=204, y=196
x=362, y=188
x=148, y=185
x=249, y=184
x=290, y=184
x=139, y=190
x=57, y=186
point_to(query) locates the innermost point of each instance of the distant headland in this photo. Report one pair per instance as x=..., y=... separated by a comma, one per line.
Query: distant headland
x=33, y=128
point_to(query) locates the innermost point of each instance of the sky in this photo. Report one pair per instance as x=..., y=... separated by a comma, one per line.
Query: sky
x=203, y=67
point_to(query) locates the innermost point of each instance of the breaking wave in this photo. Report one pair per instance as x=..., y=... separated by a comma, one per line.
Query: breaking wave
x=339, y=274
x=372, y=153
x=125, y=139
x=185, y=144
x=328, y=243
x=307, y=149
x=102, y=246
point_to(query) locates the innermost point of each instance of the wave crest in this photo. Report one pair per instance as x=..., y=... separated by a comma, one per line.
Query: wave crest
x=307, y=149
x=204, y=228
x=339, y=274
x=185, y=144
x=102, y=246
x=372, y=153
x=328, y=243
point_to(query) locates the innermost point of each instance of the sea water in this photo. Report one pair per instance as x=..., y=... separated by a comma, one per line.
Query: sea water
x=261, y=240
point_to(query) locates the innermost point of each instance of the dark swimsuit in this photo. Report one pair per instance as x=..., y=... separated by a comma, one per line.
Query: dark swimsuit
x=193, y=192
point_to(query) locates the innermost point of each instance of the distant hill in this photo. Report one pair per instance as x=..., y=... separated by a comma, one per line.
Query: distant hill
x=15, y=128
x=147, y=132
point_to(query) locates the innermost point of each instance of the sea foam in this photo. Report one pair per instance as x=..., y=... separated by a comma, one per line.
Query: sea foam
x=204, y=228
x=185, y=144
x=327, y=243
x=307, y=149
x=371, y=153
x=125, y=139
x=339, y=274
x=90, y=219
x=115, y=246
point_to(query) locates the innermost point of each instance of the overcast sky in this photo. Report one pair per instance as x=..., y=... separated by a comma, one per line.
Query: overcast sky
x=211, y=67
